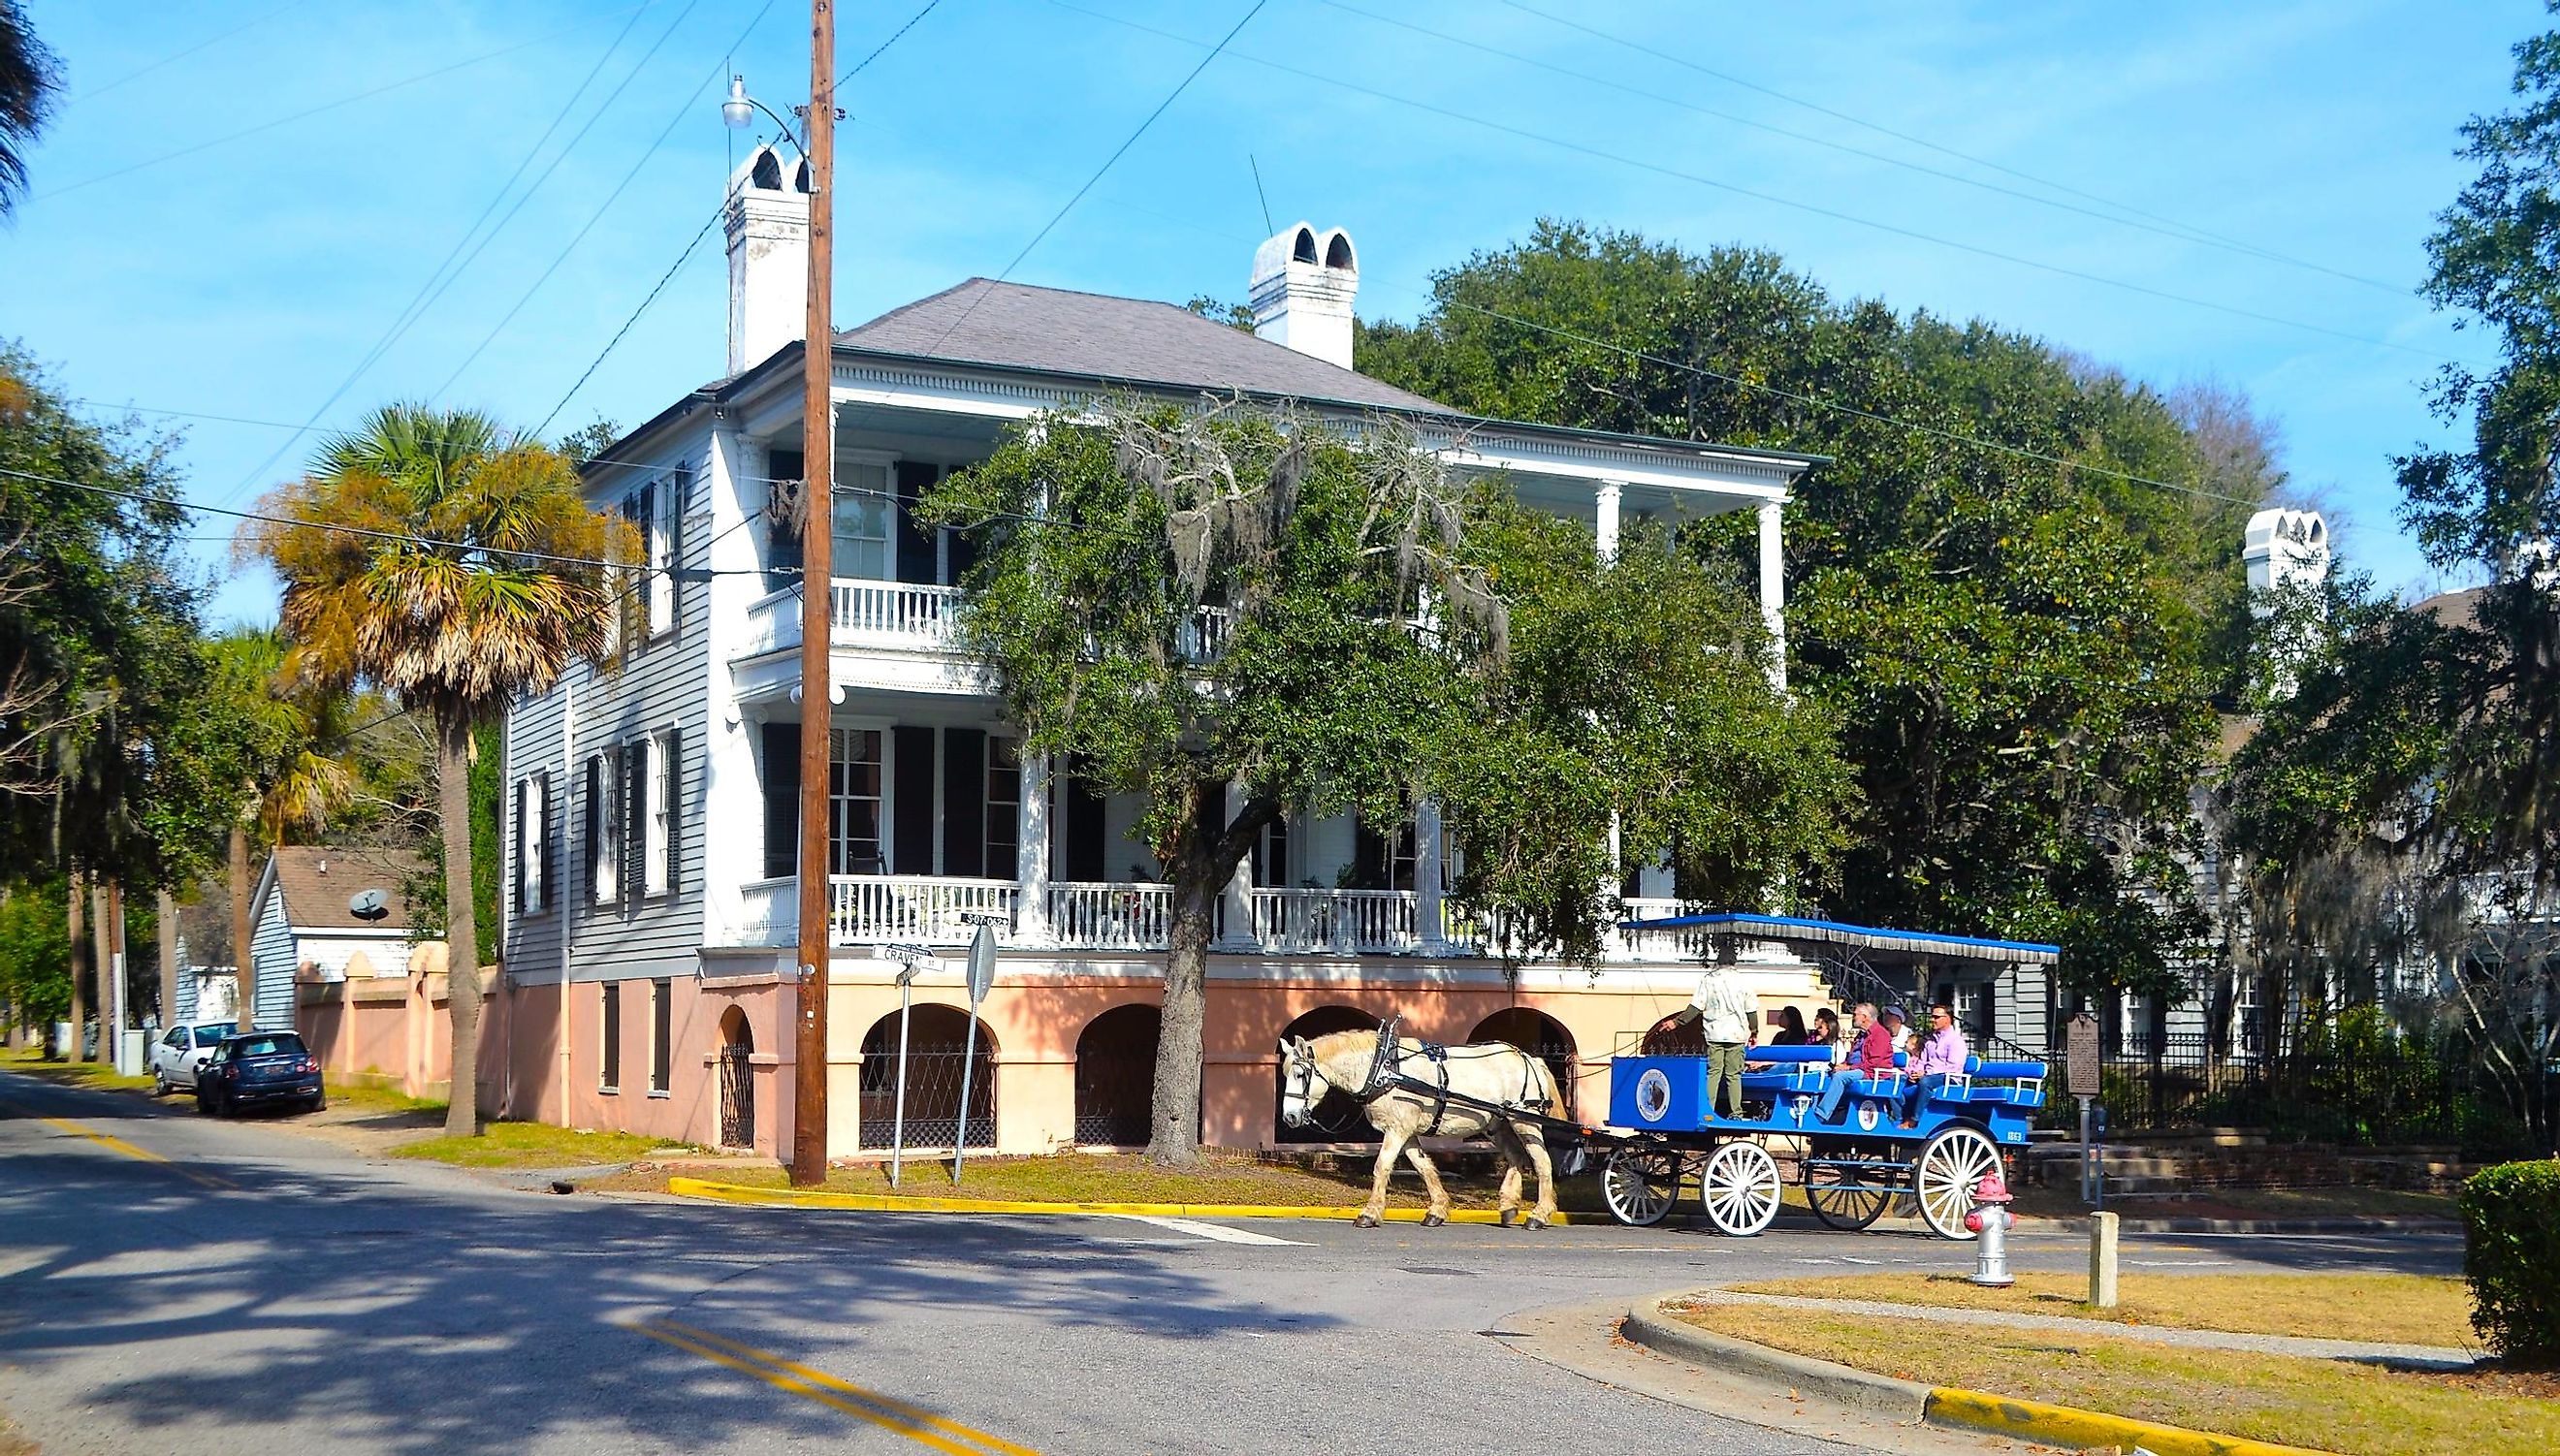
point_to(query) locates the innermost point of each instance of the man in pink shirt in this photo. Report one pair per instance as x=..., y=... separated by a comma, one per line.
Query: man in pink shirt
x=1943, y=1055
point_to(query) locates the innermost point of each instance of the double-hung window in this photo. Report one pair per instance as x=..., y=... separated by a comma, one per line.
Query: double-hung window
x=609, y=1073
x=658, y=816
x=532, y=843
x=1004, y=808
x=604, y=781
x=864, y=510
x=666, y=499
x=662, y=1040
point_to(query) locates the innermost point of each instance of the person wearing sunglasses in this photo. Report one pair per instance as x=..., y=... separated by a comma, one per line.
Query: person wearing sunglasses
x=1941, y=1055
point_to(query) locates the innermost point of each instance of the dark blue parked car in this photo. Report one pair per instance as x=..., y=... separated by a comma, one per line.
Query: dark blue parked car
x=259, y=1068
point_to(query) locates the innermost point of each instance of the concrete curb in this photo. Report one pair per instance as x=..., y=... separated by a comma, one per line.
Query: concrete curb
x=697, y=1188
x=1940, y=1406
x=1880, y=1395
x=2078, y=1226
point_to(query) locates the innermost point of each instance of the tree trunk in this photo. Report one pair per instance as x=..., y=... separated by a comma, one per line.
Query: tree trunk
x=100, y=968
x=1174, y=1140
x=165, y=907
x=461, y=936
x=244, y=970
x=80, y=968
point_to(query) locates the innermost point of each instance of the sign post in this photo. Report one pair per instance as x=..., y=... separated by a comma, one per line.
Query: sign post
x=916, y=957
x=981, y=975
x=2083, y=1076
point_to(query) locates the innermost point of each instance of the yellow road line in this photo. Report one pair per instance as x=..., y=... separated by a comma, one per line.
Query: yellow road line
x=112, y=1143
x=911, y=1422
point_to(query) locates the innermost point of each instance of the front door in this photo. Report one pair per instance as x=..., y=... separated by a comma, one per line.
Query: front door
x=738, y=1097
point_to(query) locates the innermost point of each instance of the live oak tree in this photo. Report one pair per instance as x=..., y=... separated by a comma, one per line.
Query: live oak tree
x=1239, y=614
x=435, y=557
x=2018, y=647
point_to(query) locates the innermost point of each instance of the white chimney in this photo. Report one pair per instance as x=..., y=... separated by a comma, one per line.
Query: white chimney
x=2286, y=549
x=768, y=257
x=1302, y=283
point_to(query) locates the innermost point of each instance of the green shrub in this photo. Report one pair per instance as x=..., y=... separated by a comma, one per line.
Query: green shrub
x=2511, y=1254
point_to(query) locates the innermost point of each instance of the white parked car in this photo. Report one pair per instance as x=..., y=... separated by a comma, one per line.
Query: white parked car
x=183, y=1049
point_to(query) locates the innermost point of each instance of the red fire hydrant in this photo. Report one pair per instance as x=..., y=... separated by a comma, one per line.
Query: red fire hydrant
x=1990, y=1218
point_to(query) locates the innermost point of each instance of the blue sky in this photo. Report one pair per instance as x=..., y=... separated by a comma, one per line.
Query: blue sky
x=249, y=276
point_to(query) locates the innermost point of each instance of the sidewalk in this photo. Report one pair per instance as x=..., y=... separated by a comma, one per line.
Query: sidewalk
x=2428, y=1356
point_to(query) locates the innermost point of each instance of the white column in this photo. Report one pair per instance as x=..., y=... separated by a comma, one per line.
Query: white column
x=732, y=803
x=1607, y=525
x=1772, y=590
x=1429, y=879
x=1238, y=894
x=1031, y=854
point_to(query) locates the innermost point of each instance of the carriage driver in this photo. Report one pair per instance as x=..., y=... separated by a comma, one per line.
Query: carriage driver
x=1732, y=1024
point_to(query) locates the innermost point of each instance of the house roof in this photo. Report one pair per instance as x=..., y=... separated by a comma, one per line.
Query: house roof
x=317, y=881
x=1126, y=339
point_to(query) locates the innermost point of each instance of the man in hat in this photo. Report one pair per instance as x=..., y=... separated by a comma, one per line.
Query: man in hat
x=1730, y=1023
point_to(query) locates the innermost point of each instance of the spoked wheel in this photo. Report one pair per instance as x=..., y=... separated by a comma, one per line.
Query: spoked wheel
x=1850, y=1195
x=1740, y=1189
x=1640, y=1184
x=1952, y=1161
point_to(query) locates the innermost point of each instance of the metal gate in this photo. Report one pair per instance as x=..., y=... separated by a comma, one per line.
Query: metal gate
x=738, y=1097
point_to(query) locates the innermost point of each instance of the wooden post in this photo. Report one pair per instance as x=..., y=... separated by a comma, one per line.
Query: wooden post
x=817, y=574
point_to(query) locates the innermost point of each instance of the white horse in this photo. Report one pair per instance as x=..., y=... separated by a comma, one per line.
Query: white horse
x=1362, y=1065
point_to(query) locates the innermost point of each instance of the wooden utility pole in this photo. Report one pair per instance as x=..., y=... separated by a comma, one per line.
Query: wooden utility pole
x=100, y=965
x=80, y=968
x=119, y=993
x=164, y=919
x=817, y=573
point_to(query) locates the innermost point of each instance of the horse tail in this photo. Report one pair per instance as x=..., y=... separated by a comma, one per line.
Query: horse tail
x=1555, y=1090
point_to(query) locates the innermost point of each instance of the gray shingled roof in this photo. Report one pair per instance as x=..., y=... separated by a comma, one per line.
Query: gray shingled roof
x=1124, y=339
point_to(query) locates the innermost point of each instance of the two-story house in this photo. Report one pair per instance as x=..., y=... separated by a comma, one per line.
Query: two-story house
x=650, y=841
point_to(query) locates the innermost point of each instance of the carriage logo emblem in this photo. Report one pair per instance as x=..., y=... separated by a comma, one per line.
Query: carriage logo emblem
x=1867, y=1116
x=1653, y=1095
x=1799, y=1106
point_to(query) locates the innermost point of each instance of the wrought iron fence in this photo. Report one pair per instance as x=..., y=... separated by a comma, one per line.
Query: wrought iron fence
x=933, y=1100
x=2375, y=1092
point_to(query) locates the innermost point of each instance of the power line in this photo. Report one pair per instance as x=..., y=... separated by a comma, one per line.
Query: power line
x=171, y=60
x=705, y=232
x=1132, y=140
x=610, y=198
x=1923, y=142
x=307, y=113
x=447, y=270
x=2180, y=231
x=1815, y=208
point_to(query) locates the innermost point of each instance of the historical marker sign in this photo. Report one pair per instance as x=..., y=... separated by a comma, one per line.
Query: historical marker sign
x=2081, y=1057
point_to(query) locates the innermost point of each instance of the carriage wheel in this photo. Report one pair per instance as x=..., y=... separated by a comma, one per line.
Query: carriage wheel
x=1740, y=1189
x=1640, y=1184
x=1952, y=1161
x=1849, y=1197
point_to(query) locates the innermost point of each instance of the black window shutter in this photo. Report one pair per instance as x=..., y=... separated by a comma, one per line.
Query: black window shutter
x=964, y=802
x=1084, y=836
x=682, y=484
x=781, y=799
x=635, y=813
x=675, y=807
x=644, y=515
x=911, y=820
x=522, y=786
x=915, y=563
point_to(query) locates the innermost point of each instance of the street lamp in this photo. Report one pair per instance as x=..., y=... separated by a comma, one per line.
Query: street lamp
x=740, y=108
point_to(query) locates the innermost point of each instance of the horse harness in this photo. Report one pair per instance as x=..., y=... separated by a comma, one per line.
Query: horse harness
x=1386, y=1075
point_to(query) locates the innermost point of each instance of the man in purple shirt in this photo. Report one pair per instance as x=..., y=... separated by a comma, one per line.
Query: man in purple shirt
x=1941, y=1055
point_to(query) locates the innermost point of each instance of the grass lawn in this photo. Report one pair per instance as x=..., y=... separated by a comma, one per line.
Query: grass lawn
x=31, y=1060
x=1129, y=1178
x=535, y=1145
x=2357, y=1409
x=2396, y=1309
x=369, y=1099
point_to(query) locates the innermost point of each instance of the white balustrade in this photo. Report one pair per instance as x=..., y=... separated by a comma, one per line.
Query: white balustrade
x=896, y=612
x=1689, y=944
x=1350, y=921
x=1094, y=915
x=863, y=909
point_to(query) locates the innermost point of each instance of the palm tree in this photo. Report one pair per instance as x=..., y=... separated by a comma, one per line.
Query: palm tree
x=454, y=565
x=29, y=77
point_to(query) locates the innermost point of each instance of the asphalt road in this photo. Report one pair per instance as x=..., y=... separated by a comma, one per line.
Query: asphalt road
x=170, y=1284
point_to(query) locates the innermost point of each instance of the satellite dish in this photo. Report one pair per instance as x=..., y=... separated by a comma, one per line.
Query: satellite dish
x=368, y=905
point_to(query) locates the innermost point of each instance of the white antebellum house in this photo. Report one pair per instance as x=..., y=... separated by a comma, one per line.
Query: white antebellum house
x=649, y=845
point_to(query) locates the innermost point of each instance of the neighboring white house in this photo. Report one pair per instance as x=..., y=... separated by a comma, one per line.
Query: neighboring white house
x=650, y=841
x=323, y=914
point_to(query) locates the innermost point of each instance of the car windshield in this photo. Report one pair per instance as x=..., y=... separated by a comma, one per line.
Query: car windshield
x=266, y=1046
x=211, y=1034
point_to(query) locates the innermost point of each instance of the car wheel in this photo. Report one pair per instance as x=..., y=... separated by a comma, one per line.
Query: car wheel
x=160, y=1084
x=319, y=1103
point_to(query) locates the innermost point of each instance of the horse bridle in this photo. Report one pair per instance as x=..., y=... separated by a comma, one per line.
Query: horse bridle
x=1299, y=1079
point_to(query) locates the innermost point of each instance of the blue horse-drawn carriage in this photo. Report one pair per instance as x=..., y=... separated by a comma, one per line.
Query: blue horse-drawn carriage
x=1854, y=1156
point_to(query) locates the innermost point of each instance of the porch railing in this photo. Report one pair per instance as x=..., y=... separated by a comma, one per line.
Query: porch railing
x=927, y=909
x=1373, y=922
x=1092, y=915
x=893, y=611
